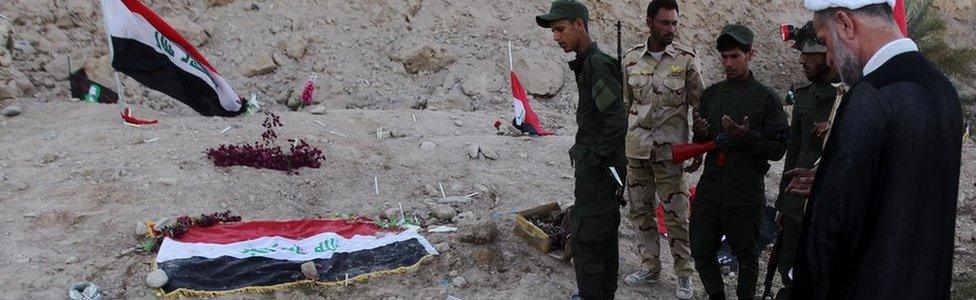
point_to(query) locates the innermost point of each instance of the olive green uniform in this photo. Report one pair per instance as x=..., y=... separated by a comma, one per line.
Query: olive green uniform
x=659, y=93
x=602, y=121
x=731, y=190
x=599, y=145
x=813, y=105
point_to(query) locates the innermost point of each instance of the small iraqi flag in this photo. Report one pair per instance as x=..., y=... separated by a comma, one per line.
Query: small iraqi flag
x=525, y=118
x=265, y=256
x=150, y=51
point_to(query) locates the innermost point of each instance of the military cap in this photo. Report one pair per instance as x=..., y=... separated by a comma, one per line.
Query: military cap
x=739, y=33
x=563, y=9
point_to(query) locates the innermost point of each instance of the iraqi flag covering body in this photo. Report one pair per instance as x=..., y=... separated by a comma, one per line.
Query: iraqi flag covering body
x=150, y=51
x=265, y=256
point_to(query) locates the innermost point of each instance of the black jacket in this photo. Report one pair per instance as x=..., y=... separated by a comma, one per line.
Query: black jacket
x=880, y=223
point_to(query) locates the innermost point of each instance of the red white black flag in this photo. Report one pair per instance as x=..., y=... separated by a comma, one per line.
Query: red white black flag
x=265, y=256
x=525, y=118
x=150, y=51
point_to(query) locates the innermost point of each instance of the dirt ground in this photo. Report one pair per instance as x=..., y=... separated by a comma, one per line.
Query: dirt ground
x=74, y=180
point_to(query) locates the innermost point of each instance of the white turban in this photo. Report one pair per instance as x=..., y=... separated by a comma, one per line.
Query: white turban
x=818, y=5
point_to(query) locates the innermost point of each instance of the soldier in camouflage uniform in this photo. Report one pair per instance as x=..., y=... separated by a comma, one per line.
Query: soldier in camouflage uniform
x=813, y=104
x=663, y=83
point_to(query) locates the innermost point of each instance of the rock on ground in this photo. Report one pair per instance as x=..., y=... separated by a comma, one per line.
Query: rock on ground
x=442, y=247
x=295, y=46
x=424, y=56
x=541, y=75
x=157, y=279
x=213, y=3
x=442, y=212
x=318, y=110
x=473, y=152
x=11, y=111
x=260, y=63
x=99, y=70
x=459, y=282
x=488, y=152
x=478, y=230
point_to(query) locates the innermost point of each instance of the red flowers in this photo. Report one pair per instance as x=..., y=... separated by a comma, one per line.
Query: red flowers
x=267, y=156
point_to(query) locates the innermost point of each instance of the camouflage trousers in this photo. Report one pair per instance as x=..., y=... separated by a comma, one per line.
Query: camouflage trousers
x=646, y=182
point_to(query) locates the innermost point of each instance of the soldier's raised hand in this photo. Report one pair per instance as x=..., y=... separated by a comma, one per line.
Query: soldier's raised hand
x=735, y=129
x=700, y=126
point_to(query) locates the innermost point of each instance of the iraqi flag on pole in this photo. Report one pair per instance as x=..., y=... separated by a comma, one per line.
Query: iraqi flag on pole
x=900, y=17
x=525, y=118
x=150, y=51
x=265, y=256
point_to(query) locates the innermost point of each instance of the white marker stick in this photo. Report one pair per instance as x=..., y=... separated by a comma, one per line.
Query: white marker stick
x=225, y=129
x=376, y=185
x=443, y=195
x=403, y=218
x=330, y=131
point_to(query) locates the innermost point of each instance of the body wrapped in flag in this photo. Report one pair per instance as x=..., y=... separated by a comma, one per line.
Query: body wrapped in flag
x=262, y=256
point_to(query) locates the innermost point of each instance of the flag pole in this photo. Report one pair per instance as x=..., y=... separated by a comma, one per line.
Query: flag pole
x=111, y=54
x=511, y=60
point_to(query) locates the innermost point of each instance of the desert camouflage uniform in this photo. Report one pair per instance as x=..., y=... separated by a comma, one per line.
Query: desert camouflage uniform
x=659, y=95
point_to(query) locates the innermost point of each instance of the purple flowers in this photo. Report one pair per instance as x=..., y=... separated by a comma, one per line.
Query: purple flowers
x=265, y=155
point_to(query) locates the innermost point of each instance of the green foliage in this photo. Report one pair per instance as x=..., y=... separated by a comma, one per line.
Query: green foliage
x=929, y=31
x=148, y=246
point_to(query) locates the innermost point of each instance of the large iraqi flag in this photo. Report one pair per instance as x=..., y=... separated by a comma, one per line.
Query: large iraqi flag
x=264, y=256
x=150, y=51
